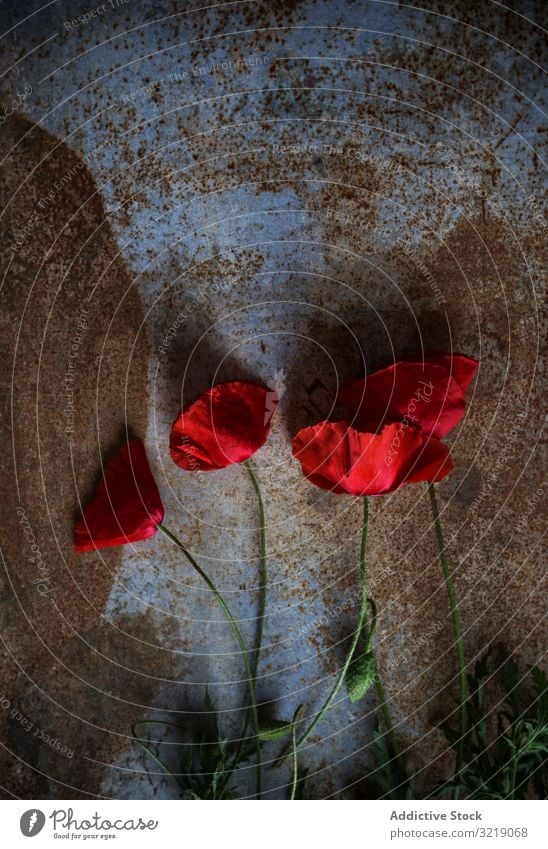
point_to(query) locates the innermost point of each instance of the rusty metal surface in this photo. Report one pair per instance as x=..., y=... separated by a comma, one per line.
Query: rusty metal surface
x=298, y=188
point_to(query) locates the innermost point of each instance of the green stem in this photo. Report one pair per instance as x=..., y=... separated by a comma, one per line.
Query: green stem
x=295, y=753
x=361, y=619
x=264, y=570
x=457, y=631
x=239, y=639
x=262, y=604
x=386, y=714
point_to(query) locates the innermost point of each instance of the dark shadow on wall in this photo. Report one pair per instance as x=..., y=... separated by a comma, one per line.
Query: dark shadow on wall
x=65, y=291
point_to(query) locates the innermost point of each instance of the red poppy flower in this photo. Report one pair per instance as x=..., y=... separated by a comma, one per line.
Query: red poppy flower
x=427, y=394
x=126, y=506
x=337, y=457
x=225, y=425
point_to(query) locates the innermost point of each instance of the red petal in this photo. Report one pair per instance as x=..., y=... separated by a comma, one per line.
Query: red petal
x=225, y=425
x=337, y=457
x=423, y=395
x=460, y=367
x=126, y=506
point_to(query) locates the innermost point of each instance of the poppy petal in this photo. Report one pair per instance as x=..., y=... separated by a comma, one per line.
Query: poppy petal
x=126, y=506
x=225, y=425
x=460, y=367
x=424, y=395
x=339, y=458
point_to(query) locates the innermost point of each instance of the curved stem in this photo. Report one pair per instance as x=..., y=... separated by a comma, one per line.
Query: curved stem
x=264, y=570
x=456, y=628
x=361, y=619
x=239, y=639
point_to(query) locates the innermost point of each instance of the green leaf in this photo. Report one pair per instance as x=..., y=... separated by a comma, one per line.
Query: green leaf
x=273, y=730
x=360, y=676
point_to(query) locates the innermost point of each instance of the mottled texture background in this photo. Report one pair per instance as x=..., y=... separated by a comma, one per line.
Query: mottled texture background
x=357, y=180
